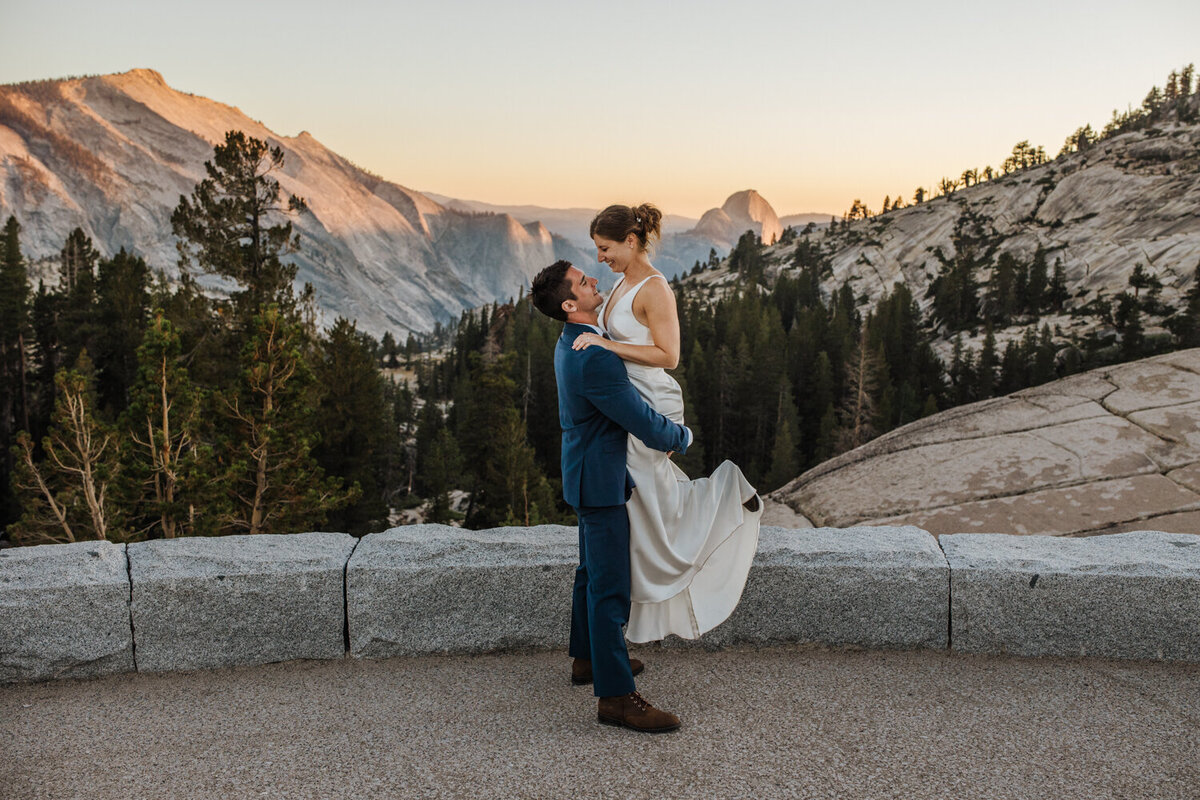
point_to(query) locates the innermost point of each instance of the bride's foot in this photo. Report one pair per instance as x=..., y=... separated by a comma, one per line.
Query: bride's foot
x=753, y=504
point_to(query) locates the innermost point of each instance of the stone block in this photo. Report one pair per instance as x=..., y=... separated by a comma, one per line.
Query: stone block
x=221, y=601
x=64, y=611
x=870, y=587
x=436, y=589
x=1128, y=595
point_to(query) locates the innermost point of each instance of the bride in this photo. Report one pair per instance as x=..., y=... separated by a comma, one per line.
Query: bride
x=691, y=542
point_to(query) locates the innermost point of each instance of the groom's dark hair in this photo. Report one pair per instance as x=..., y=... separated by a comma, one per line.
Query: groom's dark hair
x=550, y=288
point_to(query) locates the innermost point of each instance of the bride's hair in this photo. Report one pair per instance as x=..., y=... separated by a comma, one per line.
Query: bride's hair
x=617, y=222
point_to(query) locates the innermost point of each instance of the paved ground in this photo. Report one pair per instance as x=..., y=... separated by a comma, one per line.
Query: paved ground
x=764, y=723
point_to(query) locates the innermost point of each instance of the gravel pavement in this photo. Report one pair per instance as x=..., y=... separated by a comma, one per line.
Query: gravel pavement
x=770, y=722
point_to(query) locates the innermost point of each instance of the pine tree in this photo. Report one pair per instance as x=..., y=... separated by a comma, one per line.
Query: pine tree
x=1141, y=279
x=14, y=360
x=122, y=314
x=352, y=418
x=1044, y=356
x=225, y=227
x=858, y=407
x=389, y=350
x=692, y=462
x=955, y=291
x=784, y=464
x=78, y=260
x=66, y=498
x=1188, y=324
x=1128, y=318
x=505, y=483
x=985, y=373
x=785, y=454
x=172, y=479
x=827, y=435
x=962, y=371
x=276, y=483
x=77, y=321
x=1013, y=367
x=442, y=473
x=1058, y=294
x=1000, y=304
x=1038, y=282
x=46, y=361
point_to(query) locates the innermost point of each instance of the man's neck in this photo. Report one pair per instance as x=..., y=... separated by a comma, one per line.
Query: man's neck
x=584, y=318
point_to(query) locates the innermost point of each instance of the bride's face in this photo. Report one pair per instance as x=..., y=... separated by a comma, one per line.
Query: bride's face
x=617, y=255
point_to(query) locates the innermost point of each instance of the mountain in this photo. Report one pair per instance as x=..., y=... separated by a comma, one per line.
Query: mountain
x=718, y=230
x=684, y=240
x=112, y=154
x=1130, y=199
x=570, y=223
x=743, y=211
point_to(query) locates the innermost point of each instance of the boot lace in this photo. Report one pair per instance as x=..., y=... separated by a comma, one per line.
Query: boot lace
x=639, y=701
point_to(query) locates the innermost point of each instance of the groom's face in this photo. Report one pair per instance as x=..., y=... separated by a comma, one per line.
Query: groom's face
x=586, y=296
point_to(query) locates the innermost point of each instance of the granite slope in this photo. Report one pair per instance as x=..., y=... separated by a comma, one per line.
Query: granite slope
x=1111, y=450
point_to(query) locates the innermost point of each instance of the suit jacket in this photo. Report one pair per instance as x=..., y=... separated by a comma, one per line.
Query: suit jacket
x=598, y=408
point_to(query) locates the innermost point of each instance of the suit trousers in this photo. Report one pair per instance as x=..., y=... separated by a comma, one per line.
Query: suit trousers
x=600, y=602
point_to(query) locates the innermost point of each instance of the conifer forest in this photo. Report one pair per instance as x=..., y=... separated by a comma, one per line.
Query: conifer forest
x=136, y=407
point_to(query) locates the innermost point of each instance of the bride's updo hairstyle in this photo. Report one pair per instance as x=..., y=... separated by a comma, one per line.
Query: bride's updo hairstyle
x=617, y=222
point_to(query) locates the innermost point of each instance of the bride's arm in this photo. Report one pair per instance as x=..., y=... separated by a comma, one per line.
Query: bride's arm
x=656, y=303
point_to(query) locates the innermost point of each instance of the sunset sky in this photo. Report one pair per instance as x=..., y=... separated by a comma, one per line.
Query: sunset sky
x=583, y=104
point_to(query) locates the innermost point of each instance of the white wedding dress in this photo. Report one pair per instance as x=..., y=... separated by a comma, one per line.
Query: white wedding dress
x=691, y=542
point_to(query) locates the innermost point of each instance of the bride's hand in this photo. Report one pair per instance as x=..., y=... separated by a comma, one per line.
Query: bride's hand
x=585, y=340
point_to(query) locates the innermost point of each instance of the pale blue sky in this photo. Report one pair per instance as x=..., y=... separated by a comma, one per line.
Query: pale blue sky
x=583, y=104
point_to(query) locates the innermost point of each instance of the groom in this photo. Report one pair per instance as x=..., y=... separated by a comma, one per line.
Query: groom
x=598, y=408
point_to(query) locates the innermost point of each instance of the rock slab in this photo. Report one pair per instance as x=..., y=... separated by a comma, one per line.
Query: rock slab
x=870, y=587
x=1127, y=595
x=1105, y=451
x=64, y=611
x=436, y=589
x=221, y=601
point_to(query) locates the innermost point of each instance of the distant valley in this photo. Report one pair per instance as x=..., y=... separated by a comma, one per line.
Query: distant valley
x=112, y=155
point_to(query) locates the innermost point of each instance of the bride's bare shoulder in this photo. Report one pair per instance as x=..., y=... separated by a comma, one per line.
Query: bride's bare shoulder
x=656, y=291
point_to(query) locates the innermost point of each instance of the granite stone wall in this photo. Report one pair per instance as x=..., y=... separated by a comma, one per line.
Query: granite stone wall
x=92, y=608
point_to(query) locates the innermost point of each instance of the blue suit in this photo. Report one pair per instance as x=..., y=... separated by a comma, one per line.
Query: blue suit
x=598, y=408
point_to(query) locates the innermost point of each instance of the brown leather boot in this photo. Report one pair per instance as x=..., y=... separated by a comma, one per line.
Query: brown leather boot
x=632, y=711
x=581, y=670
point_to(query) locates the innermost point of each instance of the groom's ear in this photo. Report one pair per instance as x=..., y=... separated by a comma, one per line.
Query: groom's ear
x=569, y=306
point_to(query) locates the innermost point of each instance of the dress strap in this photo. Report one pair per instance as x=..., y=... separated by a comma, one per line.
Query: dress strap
x=633, y=292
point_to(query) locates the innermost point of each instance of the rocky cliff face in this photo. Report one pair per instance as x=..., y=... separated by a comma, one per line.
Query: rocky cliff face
x=719, y=230
x=1131, y=199
x=112, y=155
x=743, y=211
